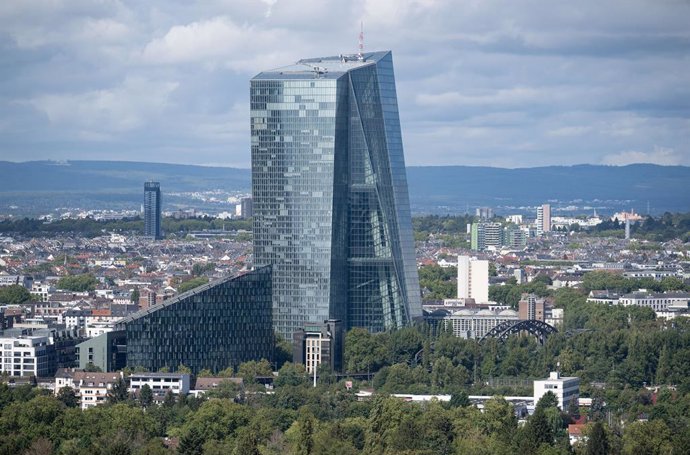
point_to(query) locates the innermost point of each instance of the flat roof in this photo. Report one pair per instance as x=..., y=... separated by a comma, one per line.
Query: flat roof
x=331, y=67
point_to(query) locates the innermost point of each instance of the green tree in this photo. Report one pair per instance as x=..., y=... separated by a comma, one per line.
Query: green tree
x=78, y=283
x=14, y=294
x=597, y=442
x=145, y=396
x=191, y=284
x=118, y=392
x=191, y=443
x=68, y=397
x=134, y=296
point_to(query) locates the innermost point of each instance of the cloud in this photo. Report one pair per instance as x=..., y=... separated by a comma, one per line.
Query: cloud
x=125, y=107
x=660, y=155
x=479, y=82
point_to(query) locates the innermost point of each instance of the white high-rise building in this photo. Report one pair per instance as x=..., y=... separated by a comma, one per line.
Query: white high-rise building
x=473, y=279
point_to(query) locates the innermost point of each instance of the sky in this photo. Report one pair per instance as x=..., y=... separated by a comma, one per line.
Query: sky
x=505, y=83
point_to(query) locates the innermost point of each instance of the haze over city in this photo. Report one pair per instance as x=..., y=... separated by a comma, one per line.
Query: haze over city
x=498, y=83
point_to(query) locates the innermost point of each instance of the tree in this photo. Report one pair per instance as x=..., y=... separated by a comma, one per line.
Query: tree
x=118, y=392
x=91, y=368
x=459, y=399
x=597, y=443
x=182, y=368
x=14, y=294
x=134, y=296
x=145, y=396
x=68, y=397
x=191, y=443
x=191, y=284
x=78, y=283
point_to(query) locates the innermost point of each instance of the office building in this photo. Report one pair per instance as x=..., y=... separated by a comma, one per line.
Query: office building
x=215, y=326
x=106, y=351
x=473, y=279
x=331, y=205
x=543, y=219
x=319, y=343
x=565, y=389
x=471, y=323
x=152, y=210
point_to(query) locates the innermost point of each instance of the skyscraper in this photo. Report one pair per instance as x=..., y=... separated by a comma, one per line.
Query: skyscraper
x=152, y=209
x=331, y=206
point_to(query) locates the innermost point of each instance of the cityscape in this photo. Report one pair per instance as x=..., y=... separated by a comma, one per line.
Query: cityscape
x=334, y=298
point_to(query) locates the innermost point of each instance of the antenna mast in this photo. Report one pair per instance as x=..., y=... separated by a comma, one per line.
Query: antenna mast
x=361, y=41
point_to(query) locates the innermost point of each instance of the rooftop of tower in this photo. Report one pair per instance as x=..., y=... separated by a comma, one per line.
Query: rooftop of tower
x=323, y=67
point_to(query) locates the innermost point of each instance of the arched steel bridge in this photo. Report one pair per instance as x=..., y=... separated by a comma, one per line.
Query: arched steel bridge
x=539, y=329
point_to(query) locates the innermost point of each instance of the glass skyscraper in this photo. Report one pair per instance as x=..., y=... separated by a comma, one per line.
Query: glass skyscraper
x=152, y=209
x=331, y=206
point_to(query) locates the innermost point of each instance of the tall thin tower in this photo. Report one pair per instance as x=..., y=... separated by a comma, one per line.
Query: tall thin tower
x=152, y=210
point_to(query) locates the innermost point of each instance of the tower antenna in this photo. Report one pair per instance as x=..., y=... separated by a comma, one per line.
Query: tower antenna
x=360, y=55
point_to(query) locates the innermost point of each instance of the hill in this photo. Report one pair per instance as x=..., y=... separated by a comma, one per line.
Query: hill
x=45, y=185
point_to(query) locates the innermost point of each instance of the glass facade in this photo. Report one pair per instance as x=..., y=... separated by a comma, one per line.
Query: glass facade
x=152, y=209
x=215, y=326
x=331, y=206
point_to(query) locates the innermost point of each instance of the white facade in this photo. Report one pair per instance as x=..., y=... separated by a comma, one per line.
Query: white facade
x=565, y=389
x=660, y=303
x=160, y=383
x=473, y=279
x=471, y=324
x=27, y=356
x=543, y=223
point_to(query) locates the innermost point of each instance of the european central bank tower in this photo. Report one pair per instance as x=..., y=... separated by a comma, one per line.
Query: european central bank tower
x=331, y=206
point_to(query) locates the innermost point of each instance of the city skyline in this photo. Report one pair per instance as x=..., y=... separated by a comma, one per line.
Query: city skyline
x=489, y=84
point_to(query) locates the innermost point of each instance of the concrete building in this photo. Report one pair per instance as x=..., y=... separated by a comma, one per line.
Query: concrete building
x=474, y=324
x=484, y=213
x=473, y=279
x=319, y=343
x=486, y=235
x=246, y=207
x=565, y=389
x=659, y=302
x=531, y=307
x=543, y=219
x=26, y=355
x=92, y=388
x=106, y=351
x=160, y=383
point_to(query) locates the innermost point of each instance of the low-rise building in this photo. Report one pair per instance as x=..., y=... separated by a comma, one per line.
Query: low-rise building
x=565, y=389
x=160, y=383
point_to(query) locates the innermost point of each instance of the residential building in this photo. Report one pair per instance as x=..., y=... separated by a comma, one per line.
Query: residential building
x=20, y=280
x=565, y=389
x=27, y=355
x=319, y=343
x=486, y=235
x=473, y=279
x=93, y=388
x=152, y=210
x=543, y=218
x=484, y=213
x=331, y=205
x=531, y=307
x=160, y=383
x=514, y=237
x=246, y=207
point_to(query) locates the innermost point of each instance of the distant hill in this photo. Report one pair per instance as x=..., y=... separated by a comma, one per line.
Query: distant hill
x=447, y=189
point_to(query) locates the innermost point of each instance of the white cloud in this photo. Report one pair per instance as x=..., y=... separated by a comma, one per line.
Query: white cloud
x=125, y=107
x=660, y=155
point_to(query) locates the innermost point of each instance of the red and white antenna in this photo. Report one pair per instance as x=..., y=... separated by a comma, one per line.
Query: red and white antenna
x=360, y=55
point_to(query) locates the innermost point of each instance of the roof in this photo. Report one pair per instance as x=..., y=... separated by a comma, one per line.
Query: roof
x=212, y=383
x=180, y=297
x=331, y=67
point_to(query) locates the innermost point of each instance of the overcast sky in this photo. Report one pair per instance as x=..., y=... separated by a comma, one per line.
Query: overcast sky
x=512, y=83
